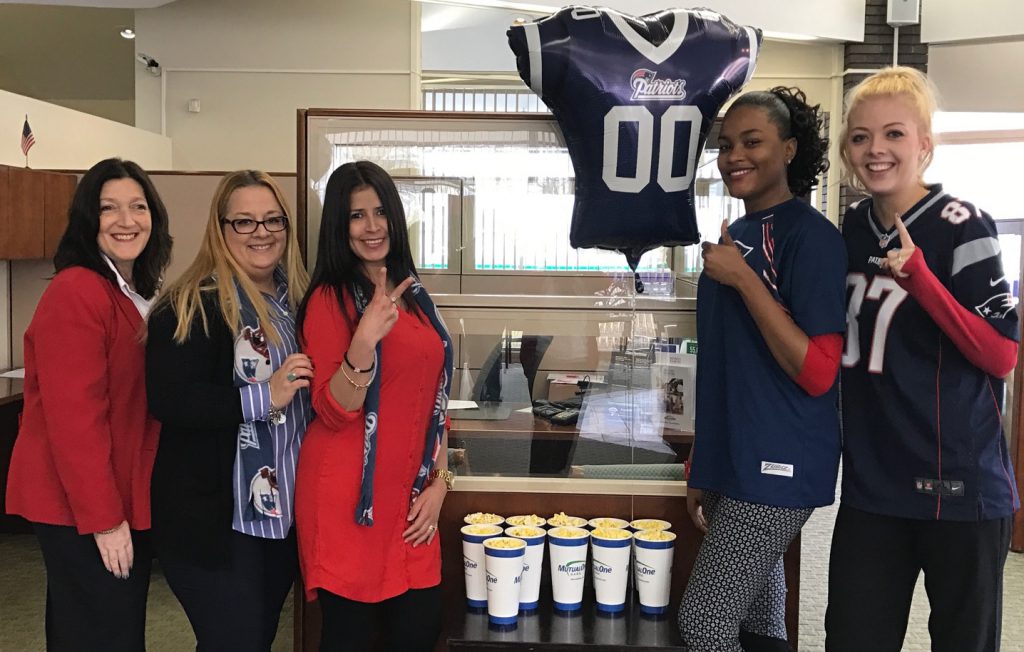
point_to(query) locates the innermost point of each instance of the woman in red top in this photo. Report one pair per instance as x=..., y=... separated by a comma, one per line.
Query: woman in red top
x=84, y=454
x=368, y=492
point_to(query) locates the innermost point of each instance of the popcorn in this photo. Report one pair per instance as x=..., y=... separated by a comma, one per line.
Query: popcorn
x=608, y=522
x=610, y=533
x=655, y=535
x=483, y=517
x=481, y=529
x=560, y=519
x=532, y=519
x=568, y=533
x=524, y=531
x=504, y=542
x=650, y=524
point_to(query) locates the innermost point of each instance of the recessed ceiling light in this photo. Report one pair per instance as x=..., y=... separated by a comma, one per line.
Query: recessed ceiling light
x=128, y=33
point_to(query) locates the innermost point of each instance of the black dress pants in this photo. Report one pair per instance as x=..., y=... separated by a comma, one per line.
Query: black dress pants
x=410, y=622
x=236, y=608
x=874, y=566
x=87, y=608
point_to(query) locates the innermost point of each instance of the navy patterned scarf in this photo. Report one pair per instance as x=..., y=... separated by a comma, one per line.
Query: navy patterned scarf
x=371, y=406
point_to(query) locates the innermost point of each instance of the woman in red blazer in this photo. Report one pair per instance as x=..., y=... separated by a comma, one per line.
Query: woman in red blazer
x=84, y=454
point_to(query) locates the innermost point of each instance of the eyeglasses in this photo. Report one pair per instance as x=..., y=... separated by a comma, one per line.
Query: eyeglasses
x=246, y=226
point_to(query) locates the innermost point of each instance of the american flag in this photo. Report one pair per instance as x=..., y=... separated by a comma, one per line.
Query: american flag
x=27, y=139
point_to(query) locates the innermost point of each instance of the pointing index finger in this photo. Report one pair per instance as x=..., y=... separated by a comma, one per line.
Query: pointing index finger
x=901, y=228
x=382, y=280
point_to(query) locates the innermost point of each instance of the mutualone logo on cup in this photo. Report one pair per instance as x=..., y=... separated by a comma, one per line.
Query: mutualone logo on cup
x=491, y=579
x=645, y=569
x=601, y=567
x=574, y=569
x=468, y=563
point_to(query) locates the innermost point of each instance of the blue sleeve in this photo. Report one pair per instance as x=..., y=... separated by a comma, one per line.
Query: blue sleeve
x=541, y=49
x=816, y=286
x=978, y=280
x=746, y=48
x=255, y=401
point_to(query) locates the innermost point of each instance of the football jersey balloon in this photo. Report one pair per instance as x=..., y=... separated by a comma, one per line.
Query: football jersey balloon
x=635, y=97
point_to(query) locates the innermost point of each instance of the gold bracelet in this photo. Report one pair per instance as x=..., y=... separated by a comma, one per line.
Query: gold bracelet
x=354, y=383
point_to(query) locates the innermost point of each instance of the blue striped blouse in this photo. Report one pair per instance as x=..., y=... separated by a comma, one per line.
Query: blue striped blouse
x=287, y=437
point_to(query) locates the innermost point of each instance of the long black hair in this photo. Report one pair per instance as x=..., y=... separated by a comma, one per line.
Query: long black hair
x=337, y=266
x=78, y=246
x=787, y=109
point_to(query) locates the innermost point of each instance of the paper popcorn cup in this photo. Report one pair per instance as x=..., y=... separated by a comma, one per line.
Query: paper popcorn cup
x=504, y=564
x=473, y=537
x=607, y=521
x=609, y=564
x=483, y=518
x=561, y=520
x=649, y=524
x=533, y=564
x=567, y=547
x=526, y=519
x=653, y=550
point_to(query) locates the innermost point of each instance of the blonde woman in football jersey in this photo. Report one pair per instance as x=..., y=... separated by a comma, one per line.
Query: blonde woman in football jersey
x=927, y=482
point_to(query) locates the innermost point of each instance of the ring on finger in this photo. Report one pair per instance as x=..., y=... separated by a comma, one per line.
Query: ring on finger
x=394, y=300
x=291, y=376
x=431, y=528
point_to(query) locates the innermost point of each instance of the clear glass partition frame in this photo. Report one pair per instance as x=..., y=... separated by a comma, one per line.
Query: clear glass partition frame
x=611, y=371
x=486, y=194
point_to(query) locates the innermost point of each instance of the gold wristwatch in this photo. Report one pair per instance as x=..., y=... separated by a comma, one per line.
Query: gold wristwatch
x=445, y=476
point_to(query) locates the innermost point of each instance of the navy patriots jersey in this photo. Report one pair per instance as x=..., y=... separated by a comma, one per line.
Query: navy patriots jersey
x=635, y=116
x=760, y=437
x=922, y=426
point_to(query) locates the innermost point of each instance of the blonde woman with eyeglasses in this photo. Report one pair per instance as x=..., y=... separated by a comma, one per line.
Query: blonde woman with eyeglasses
x=230, y=388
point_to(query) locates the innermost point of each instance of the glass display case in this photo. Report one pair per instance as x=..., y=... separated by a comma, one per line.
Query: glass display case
x=572, y=387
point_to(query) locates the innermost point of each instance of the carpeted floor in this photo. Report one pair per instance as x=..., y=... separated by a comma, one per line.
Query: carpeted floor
x=22, y=592
x=23, y=595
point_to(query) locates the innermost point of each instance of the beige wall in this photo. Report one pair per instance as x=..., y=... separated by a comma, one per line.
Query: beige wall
x=187, y=198
x=252, y=63
x=979, y=76
x=65, y=139
x=956, y=20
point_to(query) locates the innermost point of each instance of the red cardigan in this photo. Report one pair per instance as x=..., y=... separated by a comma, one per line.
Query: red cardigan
x=85, y=449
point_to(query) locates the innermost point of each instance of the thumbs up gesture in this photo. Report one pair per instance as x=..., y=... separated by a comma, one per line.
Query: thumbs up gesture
x=724, y=262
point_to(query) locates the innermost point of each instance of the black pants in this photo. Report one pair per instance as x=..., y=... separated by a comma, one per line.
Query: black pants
x=873, y=569
x=236, y=607
x=87, y=608
x=410, y=622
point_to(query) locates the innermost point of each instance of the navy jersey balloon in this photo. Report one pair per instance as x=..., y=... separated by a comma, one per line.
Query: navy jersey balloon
x=635, y=97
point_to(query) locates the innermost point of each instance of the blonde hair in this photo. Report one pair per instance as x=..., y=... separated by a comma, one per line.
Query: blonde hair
x=215, y=269
x=892, y=81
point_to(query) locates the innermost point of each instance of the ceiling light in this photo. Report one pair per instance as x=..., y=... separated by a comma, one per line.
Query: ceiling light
x=128, y=33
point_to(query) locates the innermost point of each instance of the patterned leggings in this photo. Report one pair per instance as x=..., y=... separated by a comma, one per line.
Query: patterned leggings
x=738, y=582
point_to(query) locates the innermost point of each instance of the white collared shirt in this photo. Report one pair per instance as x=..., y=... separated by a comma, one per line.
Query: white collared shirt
x=141, y=303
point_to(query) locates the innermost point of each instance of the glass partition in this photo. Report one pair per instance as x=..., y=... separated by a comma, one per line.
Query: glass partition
x=571, y=386
x=563, y=371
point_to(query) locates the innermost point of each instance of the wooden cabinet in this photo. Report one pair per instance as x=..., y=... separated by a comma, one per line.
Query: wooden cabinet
x=33, y=211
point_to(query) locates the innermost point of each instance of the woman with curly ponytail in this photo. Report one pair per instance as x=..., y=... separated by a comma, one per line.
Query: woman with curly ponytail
x=770, y=320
